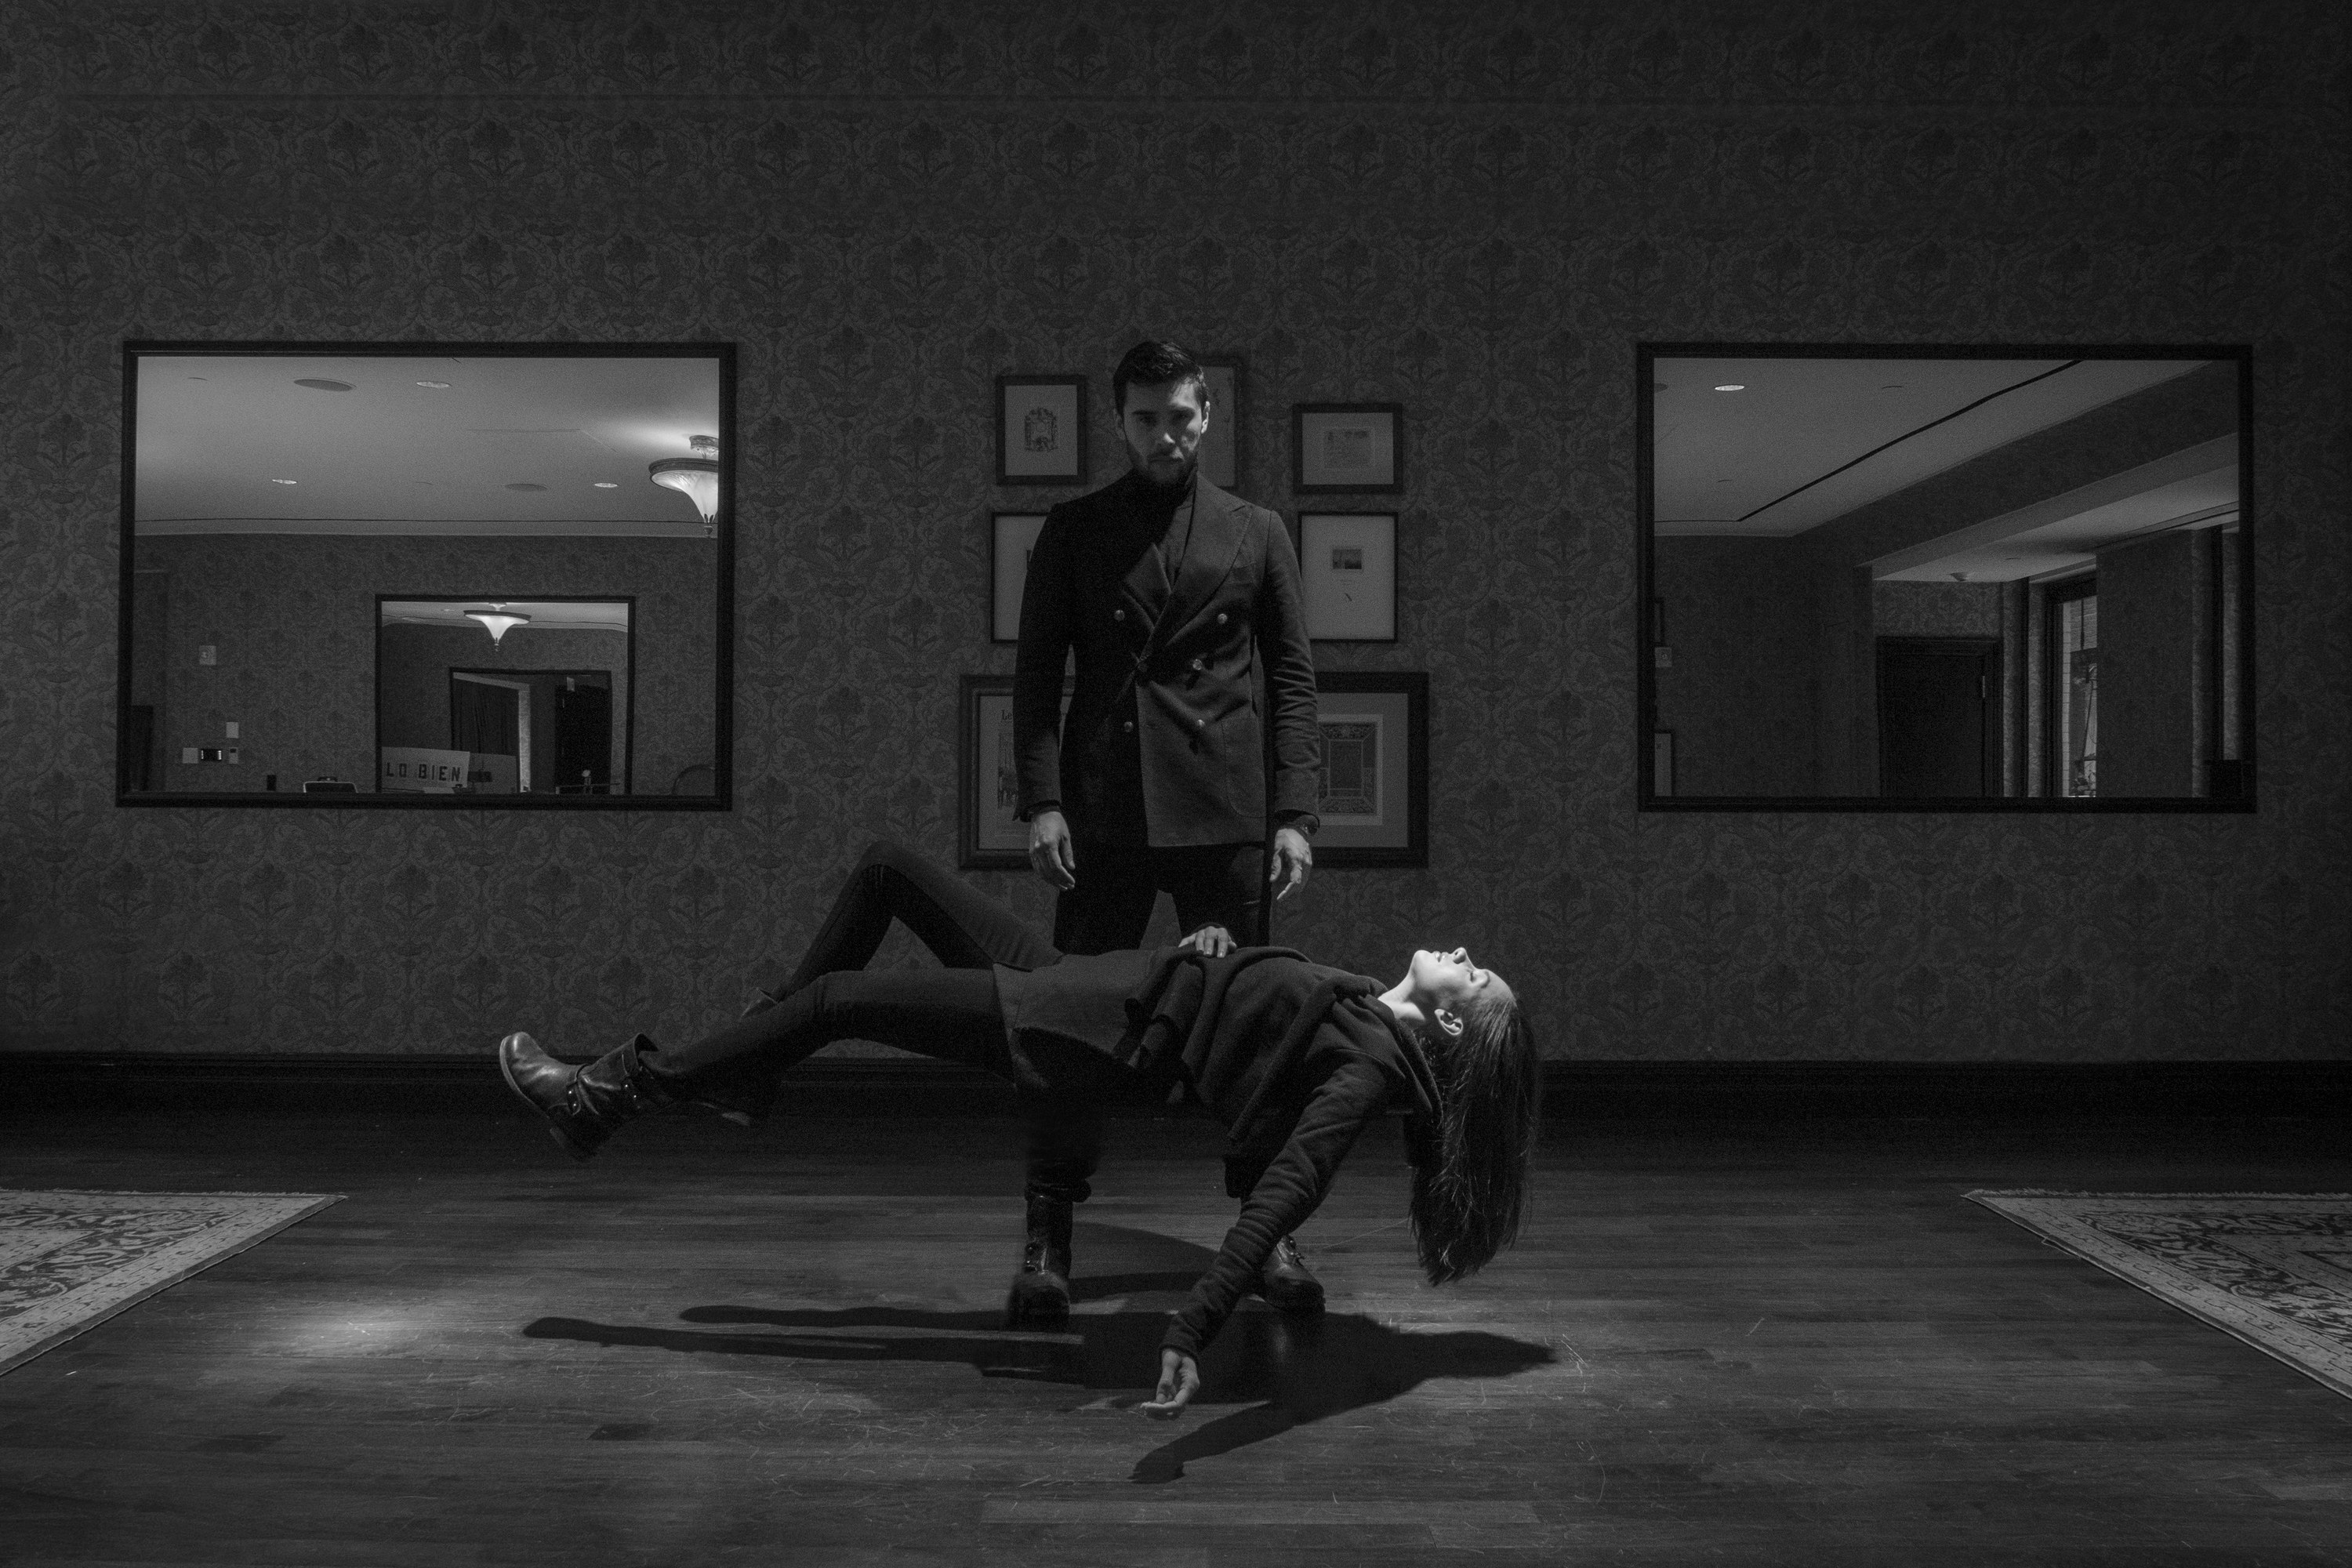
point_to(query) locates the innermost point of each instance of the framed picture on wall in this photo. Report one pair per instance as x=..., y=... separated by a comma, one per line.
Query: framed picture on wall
x=1221, y=449
x=987, y=782
x=1347, y=568
x=1373, y=788
x=1012, y=535
x=1342, y=447
x=1041, y=429
x=1662, y=762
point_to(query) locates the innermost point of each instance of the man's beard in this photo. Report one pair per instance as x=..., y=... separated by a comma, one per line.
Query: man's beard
x=1163, y=480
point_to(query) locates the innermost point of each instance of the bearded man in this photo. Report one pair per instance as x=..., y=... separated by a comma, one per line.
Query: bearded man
x=1182, y=605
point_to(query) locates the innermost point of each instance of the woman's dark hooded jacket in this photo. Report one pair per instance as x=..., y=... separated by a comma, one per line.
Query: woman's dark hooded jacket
x=1292, y=1057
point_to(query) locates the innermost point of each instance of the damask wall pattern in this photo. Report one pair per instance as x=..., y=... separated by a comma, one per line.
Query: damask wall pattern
x=1475, y=211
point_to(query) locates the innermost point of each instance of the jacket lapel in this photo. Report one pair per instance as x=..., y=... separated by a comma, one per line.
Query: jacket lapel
x=1216, y=543
x=1144, y=588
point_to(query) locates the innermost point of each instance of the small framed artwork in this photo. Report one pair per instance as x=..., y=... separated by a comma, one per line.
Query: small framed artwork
x=989, y=836
x=1371, y=789
x=1014, y=534
x=1662, y=763
x=1221, y=449
x=1346, y=568
x=1041, y=429
x=1337, y=447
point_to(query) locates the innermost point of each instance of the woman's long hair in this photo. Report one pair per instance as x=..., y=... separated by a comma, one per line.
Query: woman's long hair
x=1467, y=1201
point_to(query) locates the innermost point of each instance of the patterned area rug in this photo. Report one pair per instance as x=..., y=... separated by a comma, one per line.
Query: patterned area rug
x=70, y=1261
x=2273, y=1268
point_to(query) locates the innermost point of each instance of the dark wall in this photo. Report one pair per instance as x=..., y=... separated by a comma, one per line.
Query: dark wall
x=1741, y=696
x=2153, y=629
x=1475, y=211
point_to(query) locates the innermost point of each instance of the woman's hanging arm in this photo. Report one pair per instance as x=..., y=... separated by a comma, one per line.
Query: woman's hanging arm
x=1353, y=1094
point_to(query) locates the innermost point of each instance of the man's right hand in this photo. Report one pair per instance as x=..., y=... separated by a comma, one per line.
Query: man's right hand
x=1051, y=854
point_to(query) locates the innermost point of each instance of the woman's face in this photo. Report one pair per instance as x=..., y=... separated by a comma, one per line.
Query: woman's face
x=1451, y=981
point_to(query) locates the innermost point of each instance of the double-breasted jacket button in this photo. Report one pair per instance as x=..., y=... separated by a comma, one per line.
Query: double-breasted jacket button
x=1199, y=664
x=1221, y=617
x=1129, y=726
x=1200, y=723
x=1119, y=615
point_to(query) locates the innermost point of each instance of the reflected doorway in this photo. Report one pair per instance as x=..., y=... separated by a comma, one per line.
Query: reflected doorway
x=534, y=731
x=1937, y=737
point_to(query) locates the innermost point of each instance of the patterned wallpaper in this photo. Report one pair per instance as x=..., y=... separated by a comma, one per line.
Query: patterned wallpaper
x=1474, y=211
x=1936, y=609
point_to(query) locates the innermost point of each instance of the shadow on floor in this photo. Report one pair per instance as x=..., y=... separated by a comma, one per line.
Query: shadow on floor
x=1288, y=1371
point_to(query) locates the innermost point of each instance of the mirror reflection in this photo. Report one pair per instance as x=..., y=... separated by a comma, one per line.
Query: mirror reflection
x=496, y=695
x=1957, y=577
x=406, y=575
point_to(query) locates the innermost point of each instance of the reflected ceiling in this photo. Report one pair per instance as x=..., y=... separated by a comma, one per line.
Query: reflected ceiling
x=1805, y=440
x=496, y=445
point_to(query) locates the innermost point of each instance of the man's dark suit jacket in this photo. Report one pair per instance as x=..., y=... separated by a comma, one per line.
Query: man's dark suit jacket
x=1164, y=742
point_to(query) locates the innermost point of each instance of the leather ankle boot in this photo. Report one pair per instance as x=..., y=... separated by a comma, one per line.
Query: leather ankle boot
x=583, y=1105
x=1040, y=1298
x=1287, y=1285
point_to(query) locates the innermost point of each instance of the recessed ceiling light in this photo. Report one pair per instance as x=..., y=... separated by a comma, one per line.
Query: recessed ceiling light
x=321, y=383
x=526, y=487
x=606, y=484
x=284, y=481
x=436, y=385
x=1733, y=386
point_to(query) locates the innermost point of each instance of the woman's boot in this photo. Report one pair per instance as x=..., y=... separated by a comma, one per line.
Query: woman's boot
x=1041, y=1291
x=1286, y=1284
x=583, y=1104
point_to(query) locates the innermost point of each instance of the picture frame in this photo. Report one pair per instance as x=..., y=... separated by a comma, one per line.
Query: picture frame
x=1346, y=448
x=1347, y=575
x=1662, y=763
x=988, y=790
x=1372, y=786
x=1011, y=536
x=1041, y=429
x=1221, y=449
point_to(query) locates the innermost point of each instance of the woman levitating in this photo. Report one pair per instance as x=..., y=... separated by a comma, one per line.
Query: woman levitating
x=1291, y=1057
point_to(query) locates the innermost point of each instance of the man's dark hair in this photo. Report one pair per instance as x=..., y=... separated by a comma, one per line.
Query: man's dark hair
x=1155, y=363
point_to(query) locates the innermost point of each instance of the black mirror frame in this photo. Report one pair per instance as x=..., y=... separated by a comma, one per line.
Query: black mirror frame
x=1647, y=798
x=722, y=798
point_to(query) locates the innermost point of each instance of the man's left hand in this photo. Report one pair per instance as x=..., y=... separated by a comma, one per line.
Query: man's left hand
x=1291, y=860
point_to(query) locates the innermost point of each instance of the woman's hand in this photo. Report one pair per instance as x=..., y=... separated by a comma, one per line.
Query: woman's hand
x=1180, y=1379
x=1213, y=940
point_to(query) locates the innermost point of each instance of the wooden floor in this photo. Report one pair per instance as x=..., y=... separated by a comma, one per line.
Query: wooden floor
x=1753, y=1344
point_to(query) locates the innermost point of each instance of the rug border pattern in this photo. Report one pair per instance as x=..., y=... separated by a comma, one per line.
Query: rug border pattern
x=2034, y=1209
x=168, y=1266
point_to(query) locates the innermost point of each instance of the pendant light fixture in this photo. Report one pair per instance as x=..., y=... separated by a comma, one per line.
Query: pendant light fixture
x=497, y=620
x=696, y=477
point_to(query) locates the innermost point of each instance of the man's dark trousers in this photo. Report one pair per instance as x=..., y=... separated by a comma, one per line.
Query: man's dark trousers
x=1219, y=884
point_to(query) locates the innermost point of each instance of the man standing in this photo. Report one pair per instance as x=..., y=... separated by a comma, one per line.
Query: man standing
x=1174, y=596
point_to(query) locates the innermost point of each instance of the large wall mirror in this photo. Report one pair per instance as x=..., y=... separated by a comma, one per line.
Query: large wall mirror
x=427, y=574
x=1941, y=578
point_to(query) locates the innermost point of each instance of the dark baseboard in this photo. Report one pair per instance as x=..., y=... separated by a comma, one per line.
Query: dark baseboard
x=69, y=1082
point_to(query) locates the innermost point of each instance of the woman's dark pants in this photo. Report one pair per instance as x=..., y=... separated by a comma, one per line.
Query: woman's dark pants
x=951, y=1013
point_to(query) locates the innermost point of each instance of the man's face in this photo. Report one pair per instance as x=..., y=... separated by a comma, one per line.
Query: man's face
x=1162, y=426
